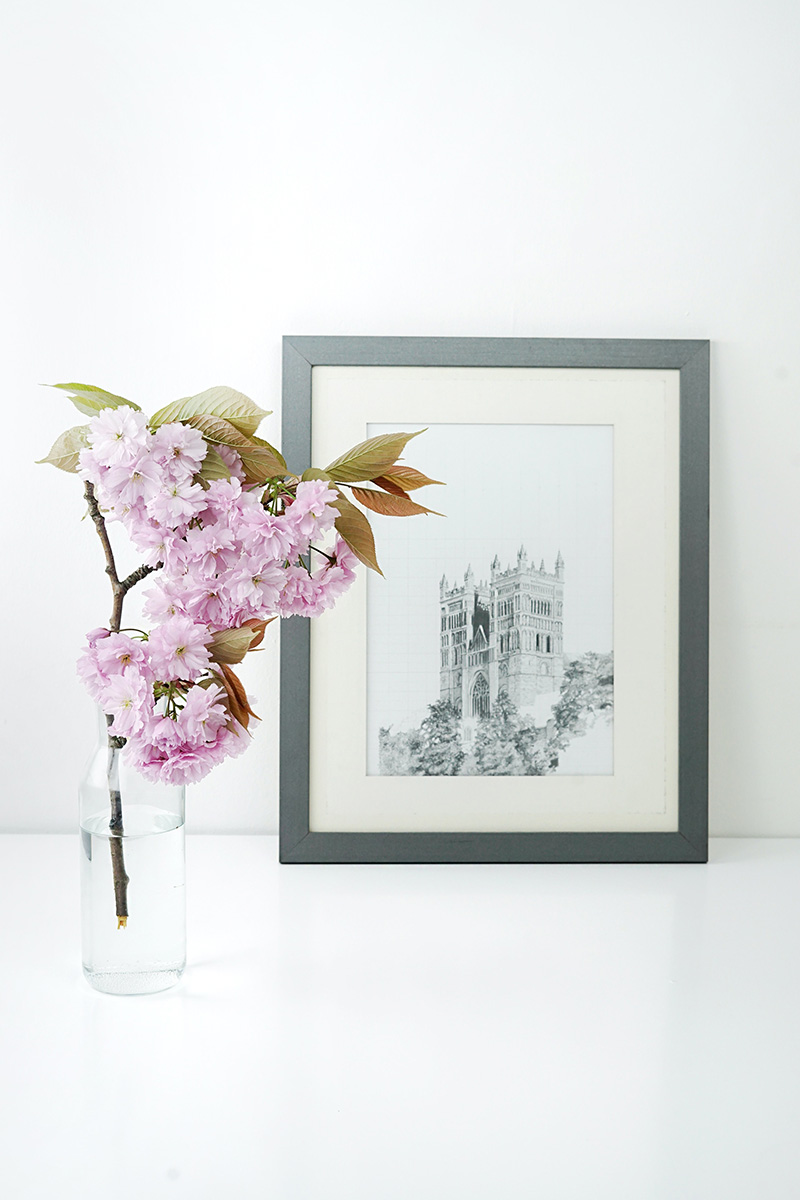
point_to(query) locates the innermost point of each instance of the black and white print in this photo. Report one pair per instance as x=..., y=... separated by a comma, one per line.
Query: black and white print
x=490, y=639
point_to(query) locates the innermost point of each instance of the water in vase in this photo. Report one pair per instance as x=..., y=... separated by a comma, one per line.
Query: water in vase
x=148, y=952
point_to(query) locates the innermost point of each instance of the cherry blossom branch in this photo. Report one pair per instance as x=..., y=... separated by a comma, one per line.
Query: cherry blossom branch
x=138, y=575
x=111, y=566
x=119, y=589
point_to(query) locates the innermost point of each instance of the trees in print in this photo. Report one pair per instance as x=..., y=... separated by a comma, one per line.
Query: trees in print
x=505, y=743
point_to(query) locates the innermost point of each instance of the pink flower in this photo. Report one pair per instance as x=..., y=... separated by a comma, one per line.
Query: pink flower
x=133, y=480
x=202, y=716
x=158, y=545
x=209, y=603
x=107, y=656
x=150, y=746
x=176, y=504
x=307, y=595
x=258, y=590
x=204, y=547
x=189, y=765
x=224, y=497
x=90, y=467
x=133, y=514
x=162, y=732
x=118, y=653
x=179, y=449
x=331, y=584
x=125, y=698
x=345, y=558
x=118, y=435
x=299, y=595
x=265, y=537
x=310, y=513
x=89, y=671
x=178, y=649
x=232, y=461
x=333, y=579
x=166, y=599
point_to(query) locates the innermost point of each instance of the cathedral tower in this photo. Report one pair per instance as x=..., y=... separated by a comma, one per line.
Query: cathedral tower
x=506, y=635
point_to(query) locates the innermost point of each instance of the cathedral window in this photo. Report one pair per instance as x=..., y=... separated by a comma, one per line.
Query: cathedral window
x=480, y=697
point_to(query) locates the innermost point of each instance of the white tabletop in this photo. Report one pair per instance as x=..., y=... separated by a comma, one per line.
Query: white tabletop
x=382, y=1032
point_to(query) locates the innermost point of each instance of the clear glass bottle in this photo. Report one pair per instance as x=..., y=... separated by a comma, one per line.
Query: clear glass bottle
x=132, y=875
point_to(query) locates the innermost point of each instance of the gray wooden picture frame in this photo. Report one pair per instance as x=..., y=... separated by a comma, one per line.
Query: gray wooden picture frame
x=298, y=844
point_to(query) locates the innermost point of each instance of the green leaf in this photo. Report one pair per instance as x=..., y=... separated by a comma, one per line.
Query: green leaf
x=213, y=467
x=405, y=478
x=66, y=448
x=259, y=461
x=91, y=400
x=354, y=528
x=223, y=402
x=390, y=506
x=257, y=441
x=370, y=458
x=231, y=645
x=314, y=473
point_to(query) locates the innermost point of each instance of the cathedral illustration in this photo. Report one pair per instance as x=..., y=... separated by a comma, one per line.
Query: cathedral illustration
x=504, y=635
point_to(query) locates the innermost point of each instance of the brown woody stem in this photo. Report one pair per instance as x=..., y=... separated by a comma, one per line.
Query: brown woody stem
x=119, y=589
x=117, y=830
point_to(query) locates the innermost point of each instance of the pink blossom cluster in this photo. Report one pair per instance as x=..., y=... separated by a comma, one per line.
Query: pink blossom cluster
x=168, y=745
x=225, y=558
x=238, y=561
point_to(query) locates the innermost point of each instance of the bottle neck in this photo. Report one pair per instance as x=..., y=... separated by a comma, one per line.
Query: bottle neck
x=101, y=724
x=110, y=771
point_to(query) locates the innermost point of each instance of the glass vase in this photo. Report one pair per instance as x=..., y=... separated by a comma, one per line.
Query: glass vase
x=133, y=899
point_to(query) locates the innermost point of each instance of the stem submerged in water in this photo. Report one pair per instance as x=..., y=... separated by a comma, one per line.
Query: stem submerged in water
x=117, y=831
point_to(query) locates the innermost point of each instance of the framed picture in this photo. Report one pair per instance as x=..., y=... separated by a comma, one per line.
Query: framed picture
x=528, y=680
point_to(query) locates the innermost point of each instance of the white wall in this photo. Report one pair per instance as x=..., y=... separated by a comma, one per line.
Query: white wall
x=184, y=182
